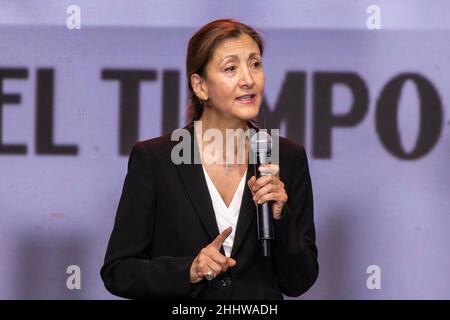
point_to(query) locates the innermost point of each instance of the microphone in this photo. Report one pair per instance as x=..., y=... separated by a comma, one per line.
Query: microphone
x=261, y=145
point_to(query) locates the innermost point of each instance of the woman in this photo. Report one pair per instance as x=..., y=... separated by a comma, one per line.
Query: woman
x=189, y=230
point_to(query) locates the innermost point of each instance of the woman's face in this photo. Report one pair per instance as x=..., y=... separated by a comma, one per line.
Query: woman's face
x=235, y=70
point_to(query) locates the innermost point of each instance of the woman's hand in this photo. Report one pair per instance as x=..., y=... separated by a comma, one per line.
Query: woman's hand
x=211, y=260
x=269, y=188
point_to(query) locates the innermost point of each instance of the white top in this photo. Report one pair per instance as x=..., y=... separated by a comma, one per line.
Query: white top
x=226, y=216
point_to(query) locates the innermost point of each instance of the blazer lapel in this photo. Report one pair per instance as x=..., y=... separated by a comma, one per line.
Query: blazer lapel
x=195, y=185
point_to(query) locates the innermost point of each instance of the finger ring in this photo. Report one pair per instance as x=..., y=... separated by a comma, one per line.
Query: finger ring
x=210, y=275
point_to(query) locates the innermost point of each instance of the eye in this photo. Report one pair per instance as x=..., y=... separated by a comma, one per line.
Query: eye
x=257, y=64
x=231, y=68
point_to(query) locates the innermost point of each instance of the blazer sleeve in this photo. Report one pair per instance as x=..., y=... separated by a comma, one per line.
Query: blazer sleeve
x=295, y=252
x=128, y=270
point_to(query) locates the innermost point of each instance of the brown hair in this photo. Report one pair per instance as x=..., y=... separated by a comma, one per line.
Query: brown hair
x=201, y=49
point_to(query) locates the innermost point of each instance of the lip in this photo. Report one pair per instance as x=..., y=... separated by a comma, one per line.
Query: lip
x=250, y=101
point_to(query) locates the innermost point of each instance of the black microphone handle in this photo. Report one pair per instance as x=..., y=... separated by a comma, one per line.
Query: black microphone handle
x=265, y=223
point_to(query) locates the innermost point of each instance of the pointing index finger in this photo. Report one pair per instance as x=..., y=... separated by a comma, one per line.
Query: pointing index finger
x=218, y=241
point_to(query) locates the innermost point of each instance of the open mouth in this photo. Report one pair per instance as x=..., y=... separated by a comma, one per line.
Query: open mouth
x=247, y=98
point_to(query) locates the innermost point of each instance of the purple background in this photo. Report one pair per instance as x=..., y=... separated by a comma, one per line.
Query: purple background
x=370, y=207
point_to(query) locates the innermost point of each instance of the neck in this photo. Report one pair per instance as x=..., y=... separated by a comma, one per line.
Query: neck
x=212, y=120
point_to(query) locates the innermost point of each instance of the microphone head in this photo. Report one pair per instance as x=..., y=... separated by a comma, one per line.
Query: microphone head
x=261, y=142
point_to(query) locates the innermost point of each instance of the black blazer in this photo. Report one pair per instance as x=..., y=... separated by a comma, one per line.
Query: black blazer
x=165, y=217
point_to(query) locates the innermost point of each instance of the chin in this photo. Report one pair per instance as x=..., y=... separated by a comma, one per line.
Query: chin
x=247, y=116
x=247, y=113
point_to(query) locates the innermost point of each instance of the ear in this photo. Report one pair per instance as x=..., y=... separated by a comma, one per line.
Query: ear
x=199, y=87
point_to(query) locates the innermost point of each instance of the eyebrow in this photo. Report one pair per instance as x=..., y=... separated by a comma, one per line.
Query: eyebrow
x=251, y=55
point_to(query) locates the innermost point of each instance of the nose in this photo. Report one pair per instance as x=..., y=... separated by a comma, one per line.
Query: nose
x=246, y=78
